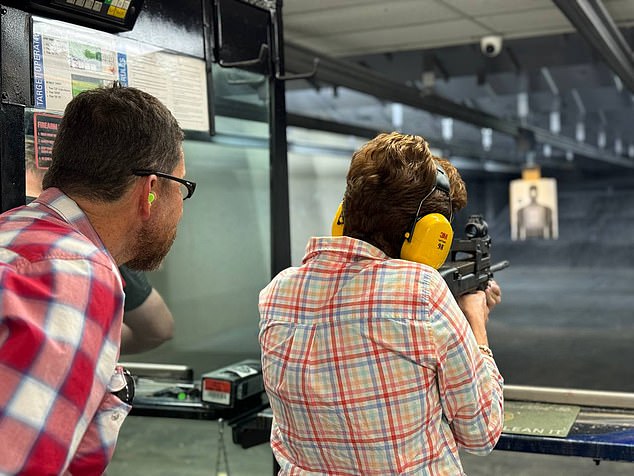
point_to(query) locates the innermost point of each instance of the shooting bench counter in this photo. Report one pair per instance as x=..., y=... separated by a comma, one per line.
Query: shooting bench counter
x=165, y=390
x=597, y=433
x=601, y=428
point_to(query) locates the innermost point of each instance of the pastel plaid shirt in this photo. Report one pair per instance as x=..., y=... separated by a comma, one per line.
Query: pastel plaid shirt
x=61, y=305
x=371, y=367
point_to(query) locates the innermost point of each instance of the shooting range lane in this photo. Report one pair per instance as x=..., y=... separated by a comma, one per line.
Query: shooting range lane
x=555, y=328
x=565, y=328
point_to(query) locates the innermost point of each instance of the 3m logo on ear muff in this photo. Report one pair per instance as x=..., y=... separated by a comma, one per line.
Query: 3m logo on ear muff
x=430, y=241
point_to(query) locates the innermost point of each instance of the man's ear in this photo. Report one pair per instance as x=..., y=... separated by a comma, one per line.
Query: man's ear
x=147, y=195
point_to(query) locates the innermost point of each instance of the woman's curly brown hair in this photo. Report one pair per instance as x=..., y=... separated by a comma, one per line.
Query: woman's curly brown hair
x=387, y=179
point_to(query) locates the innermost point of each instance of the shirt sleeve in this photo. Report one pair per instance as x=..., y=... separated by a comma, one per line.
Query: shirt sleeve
x=60, y=325
x=98, y=442
x=136, y=286
x=470, y=384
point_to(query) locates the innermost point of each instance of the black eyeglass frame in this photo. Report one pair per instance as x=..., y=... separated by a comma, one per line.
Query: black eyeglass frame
x=191, y=186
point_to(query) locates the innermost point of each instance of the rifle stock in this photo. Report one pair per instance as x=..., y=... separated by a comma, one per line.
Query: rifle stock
x=469, y=267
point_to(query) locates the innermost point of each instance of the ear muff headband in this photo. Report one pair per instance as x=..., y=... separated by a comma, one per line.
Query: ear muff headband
x=442, y=181
x=428, y=241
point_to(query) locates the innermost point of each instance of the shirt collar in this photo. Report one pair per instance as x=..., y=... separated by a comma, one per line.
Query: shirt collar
x=68, y=210
x=342, y=248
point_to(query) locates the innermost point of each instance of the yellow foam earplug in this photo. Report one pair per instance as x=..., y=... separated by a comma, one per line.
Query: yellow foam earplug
x=151, y=197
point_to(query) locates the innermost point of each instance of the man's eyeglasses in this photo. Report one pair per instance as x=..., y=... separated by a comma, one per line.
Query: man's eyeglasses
x=187, y=187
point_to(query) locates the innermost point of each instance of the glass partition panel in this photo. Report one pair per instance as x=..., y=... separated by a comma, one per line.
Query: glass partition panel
x=317, y=166
x=242, y=96
x=220, y=259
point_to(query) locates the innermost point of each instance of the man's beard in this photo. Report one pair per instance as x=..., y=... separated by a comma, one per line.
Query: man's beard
x=152, y=245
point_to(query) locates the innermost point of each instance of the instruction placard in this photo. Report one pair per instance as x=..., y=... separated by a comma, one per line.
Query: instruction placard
x=539, y=419
x=45, y=127
x=69, y=59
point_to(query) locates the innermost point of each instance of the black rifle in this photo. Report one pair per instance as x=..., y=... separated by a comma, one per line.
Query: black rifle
x=468, y=267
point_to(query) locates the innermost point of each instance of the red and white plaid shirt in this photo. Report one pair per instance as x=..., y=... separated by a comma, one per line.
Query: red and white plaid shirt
x=371, y=367
x=61, y=305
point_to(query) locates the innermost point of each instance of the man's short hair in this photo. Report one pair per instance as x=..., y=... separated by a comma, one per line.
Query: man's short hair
x=387, y=179
x=104, y=135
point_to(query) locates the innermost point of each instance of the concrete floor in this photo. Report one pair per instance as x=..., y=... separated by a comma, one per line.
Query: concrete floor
x=171, y=447
x=557, y=327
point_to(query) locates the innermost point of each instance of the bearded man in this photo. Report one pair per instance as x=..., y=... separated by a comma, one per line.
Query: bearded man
x=113, y=195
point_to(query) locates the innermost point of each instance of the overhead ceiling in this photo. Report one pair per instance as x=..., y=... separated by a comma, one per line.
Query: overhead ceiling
x=362, y=27
x=548, y=97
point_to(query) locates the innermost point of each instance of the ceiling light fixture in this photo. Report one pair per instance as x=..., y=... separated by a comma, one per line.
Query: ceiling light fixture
x=580, y=132
x=446, y=124
x=601, y=139
x=547, y=150
x=555, y=122
x=487, y=138
x=618, y=146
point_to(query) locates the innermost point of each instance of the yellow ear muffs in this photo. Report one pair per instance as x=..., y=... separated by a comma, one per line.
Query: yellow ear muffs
x=429, y=242
x=337, y=223
x=151, y=197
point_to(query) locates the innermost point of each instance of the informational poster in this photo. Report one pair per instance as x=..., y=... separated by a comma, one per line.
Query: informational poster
x=539, y=419
x=69, y=59
x=45, y=127
x=533, y=209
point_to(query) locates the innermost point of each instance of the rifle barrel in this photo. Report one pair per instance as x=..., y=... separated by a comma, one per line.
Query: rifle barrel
x=500, y=266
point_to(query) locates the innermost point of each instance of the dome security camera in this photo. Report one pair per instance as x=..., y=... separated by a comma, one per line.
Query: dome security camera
x=491, y=45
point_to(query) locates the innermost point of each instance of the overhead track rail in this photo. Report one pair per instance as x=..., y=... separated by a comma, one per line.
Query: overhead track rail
x=366, y=80
x=454, y=148
x=350, y=75
x=595, y=24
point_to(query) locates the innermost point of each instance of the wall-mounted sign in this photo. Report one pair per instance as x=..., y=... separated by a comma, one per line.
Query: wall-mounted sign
x=45, y=127
x=68, y=59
